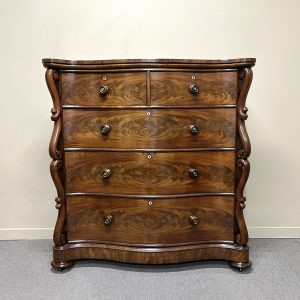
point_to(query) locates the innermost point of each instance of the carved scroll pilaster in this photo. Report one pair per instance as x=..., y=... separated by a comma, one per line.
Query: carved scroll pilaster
x=242, y=237
x=56, y=155
x=51, y=78
x=245, y=75
x=58, y=236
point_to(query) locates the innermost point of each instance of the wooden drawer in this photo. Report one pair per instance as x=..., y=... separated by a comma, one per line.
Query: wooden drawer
x=155, y=173
x=151, y=222
x=161, y=129
x=123, y=89
x=173, y=88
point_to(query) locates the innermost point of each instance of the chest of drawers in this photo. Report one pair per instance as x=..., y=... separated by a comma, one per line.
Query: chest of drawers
x=149, y=160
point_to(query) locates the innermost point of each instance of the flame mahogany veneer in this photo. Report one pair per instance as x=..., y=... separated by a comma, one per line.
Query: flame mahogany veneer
x=149, y=160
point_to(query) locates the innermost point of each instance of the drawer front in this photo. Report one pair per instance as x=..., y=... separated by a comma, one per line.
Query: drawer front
x=155, y=173
x=156, y=222
x=189, y=128
x=179, y=88
x=123, y=89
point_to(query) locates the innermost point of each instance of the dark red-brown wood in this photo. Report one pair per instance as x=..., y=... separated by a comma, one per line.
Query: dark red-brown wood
x=173, y=88
x=78, y=65
x=150, y=222
x=163, y=173
x=123, y=89
x=152, y=128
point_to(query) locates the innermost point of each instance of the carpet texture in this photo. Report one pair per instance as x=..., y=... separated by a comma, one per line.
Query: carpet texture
x=25, y=273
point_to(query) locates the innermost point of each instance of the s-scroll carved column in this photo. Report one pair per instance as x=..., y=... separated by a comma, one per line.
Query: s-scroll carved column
x=56, y=155
x=243, y=152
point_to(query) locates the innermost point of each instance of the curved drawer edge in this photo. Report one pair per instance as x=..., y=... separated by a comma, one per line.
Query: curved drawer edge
x=166, y=255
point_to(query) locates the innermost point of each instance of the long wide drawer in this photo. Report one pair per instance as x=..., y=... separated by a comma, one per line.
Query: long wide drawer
x=156, y=222
x=94, y=89
x=197, y=89
x=153, y=128
x=150, y=173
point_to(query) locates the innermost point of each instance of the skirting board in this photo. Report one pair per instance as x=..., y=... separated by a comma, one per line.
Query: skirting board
x=46, y=233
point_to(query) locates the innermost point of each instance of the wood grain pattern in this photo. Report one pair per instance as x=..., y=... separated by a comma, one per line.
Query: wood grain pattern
x=51, y=77
x=243, y=153
x=246, y=80
x=162, y=129
x=124, y=89
x=172, y=88
x=56, y=155
x=77, y=65
x=160, y=223
x=242, y=235
x=164, y=173
x=163, y=255
x=155, y=211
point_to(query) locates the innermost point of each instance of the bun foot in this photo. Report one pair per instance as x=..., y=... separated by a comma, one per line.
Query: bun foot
x=241, y=266
x=60, y=266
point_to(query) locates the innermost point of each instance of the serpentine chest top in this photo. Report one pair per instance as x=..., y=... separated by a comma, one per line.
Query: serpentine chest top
x=150, y=160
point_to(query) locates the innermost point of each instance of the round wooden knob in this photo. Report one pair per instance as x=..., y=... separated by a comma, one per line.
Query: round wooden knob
x=194, y=129
x=108, y=219
x=103, y=90
x=193, y=220
x=105, y=129
x=193, y=173
x=106, y=174
x=194, y=89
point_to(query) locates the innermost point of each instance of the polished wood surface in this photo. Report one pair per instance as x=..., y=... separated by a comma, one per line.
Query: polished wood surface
x=123, y=89
x=172, y=88
x=150, y=160
x=56, y=153
x=161, y=129
x=163, y=173
x=243, y=152
x=79, y=65
x=152, y=222
x=150, y=255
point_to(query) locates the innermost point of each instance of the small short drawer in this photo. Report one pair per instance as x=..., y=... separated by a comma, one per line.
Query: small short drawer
x=99, y=89
x=193, y=89
x=148, y=129
x=151, y=222
x=138, y=173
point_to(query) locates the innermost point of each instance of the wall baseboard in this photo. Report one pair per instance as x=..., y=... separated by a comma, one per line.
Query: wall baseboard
x=274, y=232
x=46, y=233
x=25, y=233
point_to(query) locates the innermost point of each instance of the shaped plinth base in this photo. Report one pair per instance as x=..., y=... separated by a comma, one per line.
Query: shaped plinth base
x=60, y=266
x=241, y=266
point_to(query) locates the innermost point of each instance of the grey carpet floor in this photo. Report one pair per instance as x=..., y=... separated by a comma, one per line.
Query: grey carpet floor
x=25, y=273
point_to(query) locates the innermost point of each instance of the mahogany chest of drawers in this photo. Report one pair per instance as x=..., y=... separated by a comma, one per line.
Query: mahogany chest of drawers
x=150, y=160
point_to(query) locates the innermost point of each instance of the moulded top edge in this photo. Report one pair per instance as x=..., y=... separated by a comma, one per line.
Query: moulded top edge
x=129, y=63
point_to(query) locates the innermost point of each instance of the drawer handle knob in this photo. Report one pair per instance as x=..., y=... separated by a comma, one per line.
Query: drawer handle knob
x=106, y=174
x=103, y=90
x=193, y=220
x=194, y=89
x=193, y=173
x=105, y=129
x=194, y=129
x=108, y=219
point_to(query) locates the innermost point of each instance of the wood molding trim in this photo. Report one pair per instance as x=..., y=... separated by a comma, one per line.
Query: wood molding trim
x=46, y=233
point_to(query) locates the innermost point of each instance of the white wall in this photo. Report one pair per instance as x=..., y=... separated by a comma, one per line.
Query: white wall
x=266, y=29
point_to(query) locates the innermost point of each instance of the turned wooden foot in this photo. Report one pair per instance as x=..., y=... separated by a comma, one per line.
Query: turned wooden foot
x=241, y=266
x=60, y=266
